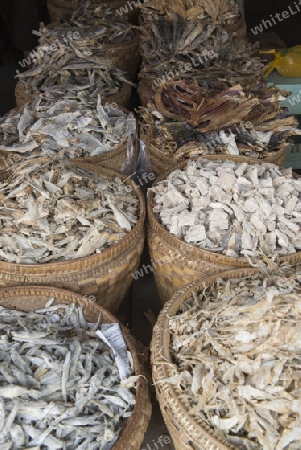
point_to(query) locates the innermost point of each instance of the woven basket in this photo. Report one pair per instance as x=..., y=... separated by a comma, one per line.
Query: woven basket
x=188, y=432
x=177, y=263
x=22, y=96
x=162, y=162
x=106, y=275
x=125, y=56
x=35, y=297
x=145, y=90
x=122, y=97
x=63, y=9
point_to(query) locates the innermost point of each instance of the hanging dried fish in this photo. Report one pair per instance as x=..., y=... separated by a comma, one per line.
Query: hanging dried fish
x=236, y=349
x=52, y=210
x=237, y=209
x=60, y=384
x=68, y=127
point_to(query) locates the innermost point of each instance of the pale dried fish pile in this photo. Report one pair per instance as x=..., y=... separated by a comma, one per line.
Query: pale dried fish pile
x=67, y=127
x=237, y=209
x=60, y=385
x=236, y=348
x=54, y=211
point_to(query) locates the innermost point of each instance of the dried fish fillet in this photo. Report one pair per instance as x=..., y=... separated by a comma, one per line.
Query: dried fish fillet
x=60, y=384
x=236, y=352
x=237, y=209
x=55, y=211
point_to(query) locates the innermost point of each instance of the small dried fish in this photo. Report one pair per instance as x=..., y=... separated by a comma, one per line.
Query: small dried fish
x=237, y=209
x=73, y=55
x=240, y=339
x=77, y=401
x=55, y=211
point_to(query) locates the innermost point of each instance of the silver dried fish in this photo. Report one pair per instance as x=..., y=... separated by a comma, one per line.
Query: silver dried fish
x=56, y=211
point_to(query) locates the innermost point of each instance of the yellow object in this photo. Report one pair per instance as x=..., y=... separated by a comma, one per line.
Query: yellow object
x=287, y=62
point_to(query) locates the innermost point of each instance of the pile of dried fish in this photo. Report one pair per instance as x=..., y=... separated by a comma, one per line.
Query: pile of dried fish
x=75, y=59
x=178, y=32
x=187, y=119
x=236, y=348
x=210, y=96
x=237, y=209
x=67, y=127
x=60, y=385
x=54, y=211
x=103, y=25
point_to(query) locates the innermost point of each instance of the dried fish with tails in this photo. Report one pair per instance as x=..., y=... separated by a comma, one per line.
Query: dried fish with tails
x=78, y=400
x=55, y=211
x=235, y=359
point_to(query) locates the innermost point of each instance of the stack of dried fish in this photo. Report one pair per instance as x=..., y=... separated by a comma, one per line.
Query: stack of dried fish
x=73, y=126
x=210, y=96
x=54, y=211
x=237, y=209
x=236, y=352
x=73, y=58
x=189, y=119
x=104, y=25
x=180, y=32
x=60, y=384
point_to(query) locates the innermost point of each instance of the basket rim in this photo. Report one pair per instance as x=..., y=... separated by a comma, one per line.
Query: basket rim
x=142, y=392
x=190, y=250
x=161, y=362
x=93, y=260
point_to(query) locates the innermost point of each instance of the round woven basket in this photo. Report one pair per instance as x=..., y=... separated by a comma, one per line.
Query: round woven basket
x=22, y=96
x=35, y=297
x=162, y=162
x=63, y=9
x=122, y=97
x=145, y=90
x=106, y=275
x=125, y=56
x=176, y=263
x=188, y=432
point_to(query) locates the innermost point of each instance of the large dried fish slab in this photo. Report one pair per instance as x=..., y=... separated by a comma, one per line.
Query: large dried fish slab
x=54, y=211
x=60, y=385
x=237, y=209
x=236, y=352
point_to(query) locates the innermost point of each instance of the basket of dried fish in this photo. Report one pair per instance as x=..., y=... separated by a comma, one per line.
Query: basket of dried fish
x=76, y=127
x=62, y=385
x=108, y=34
x=80, y=228
x=216, y=213
x=226, y=362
